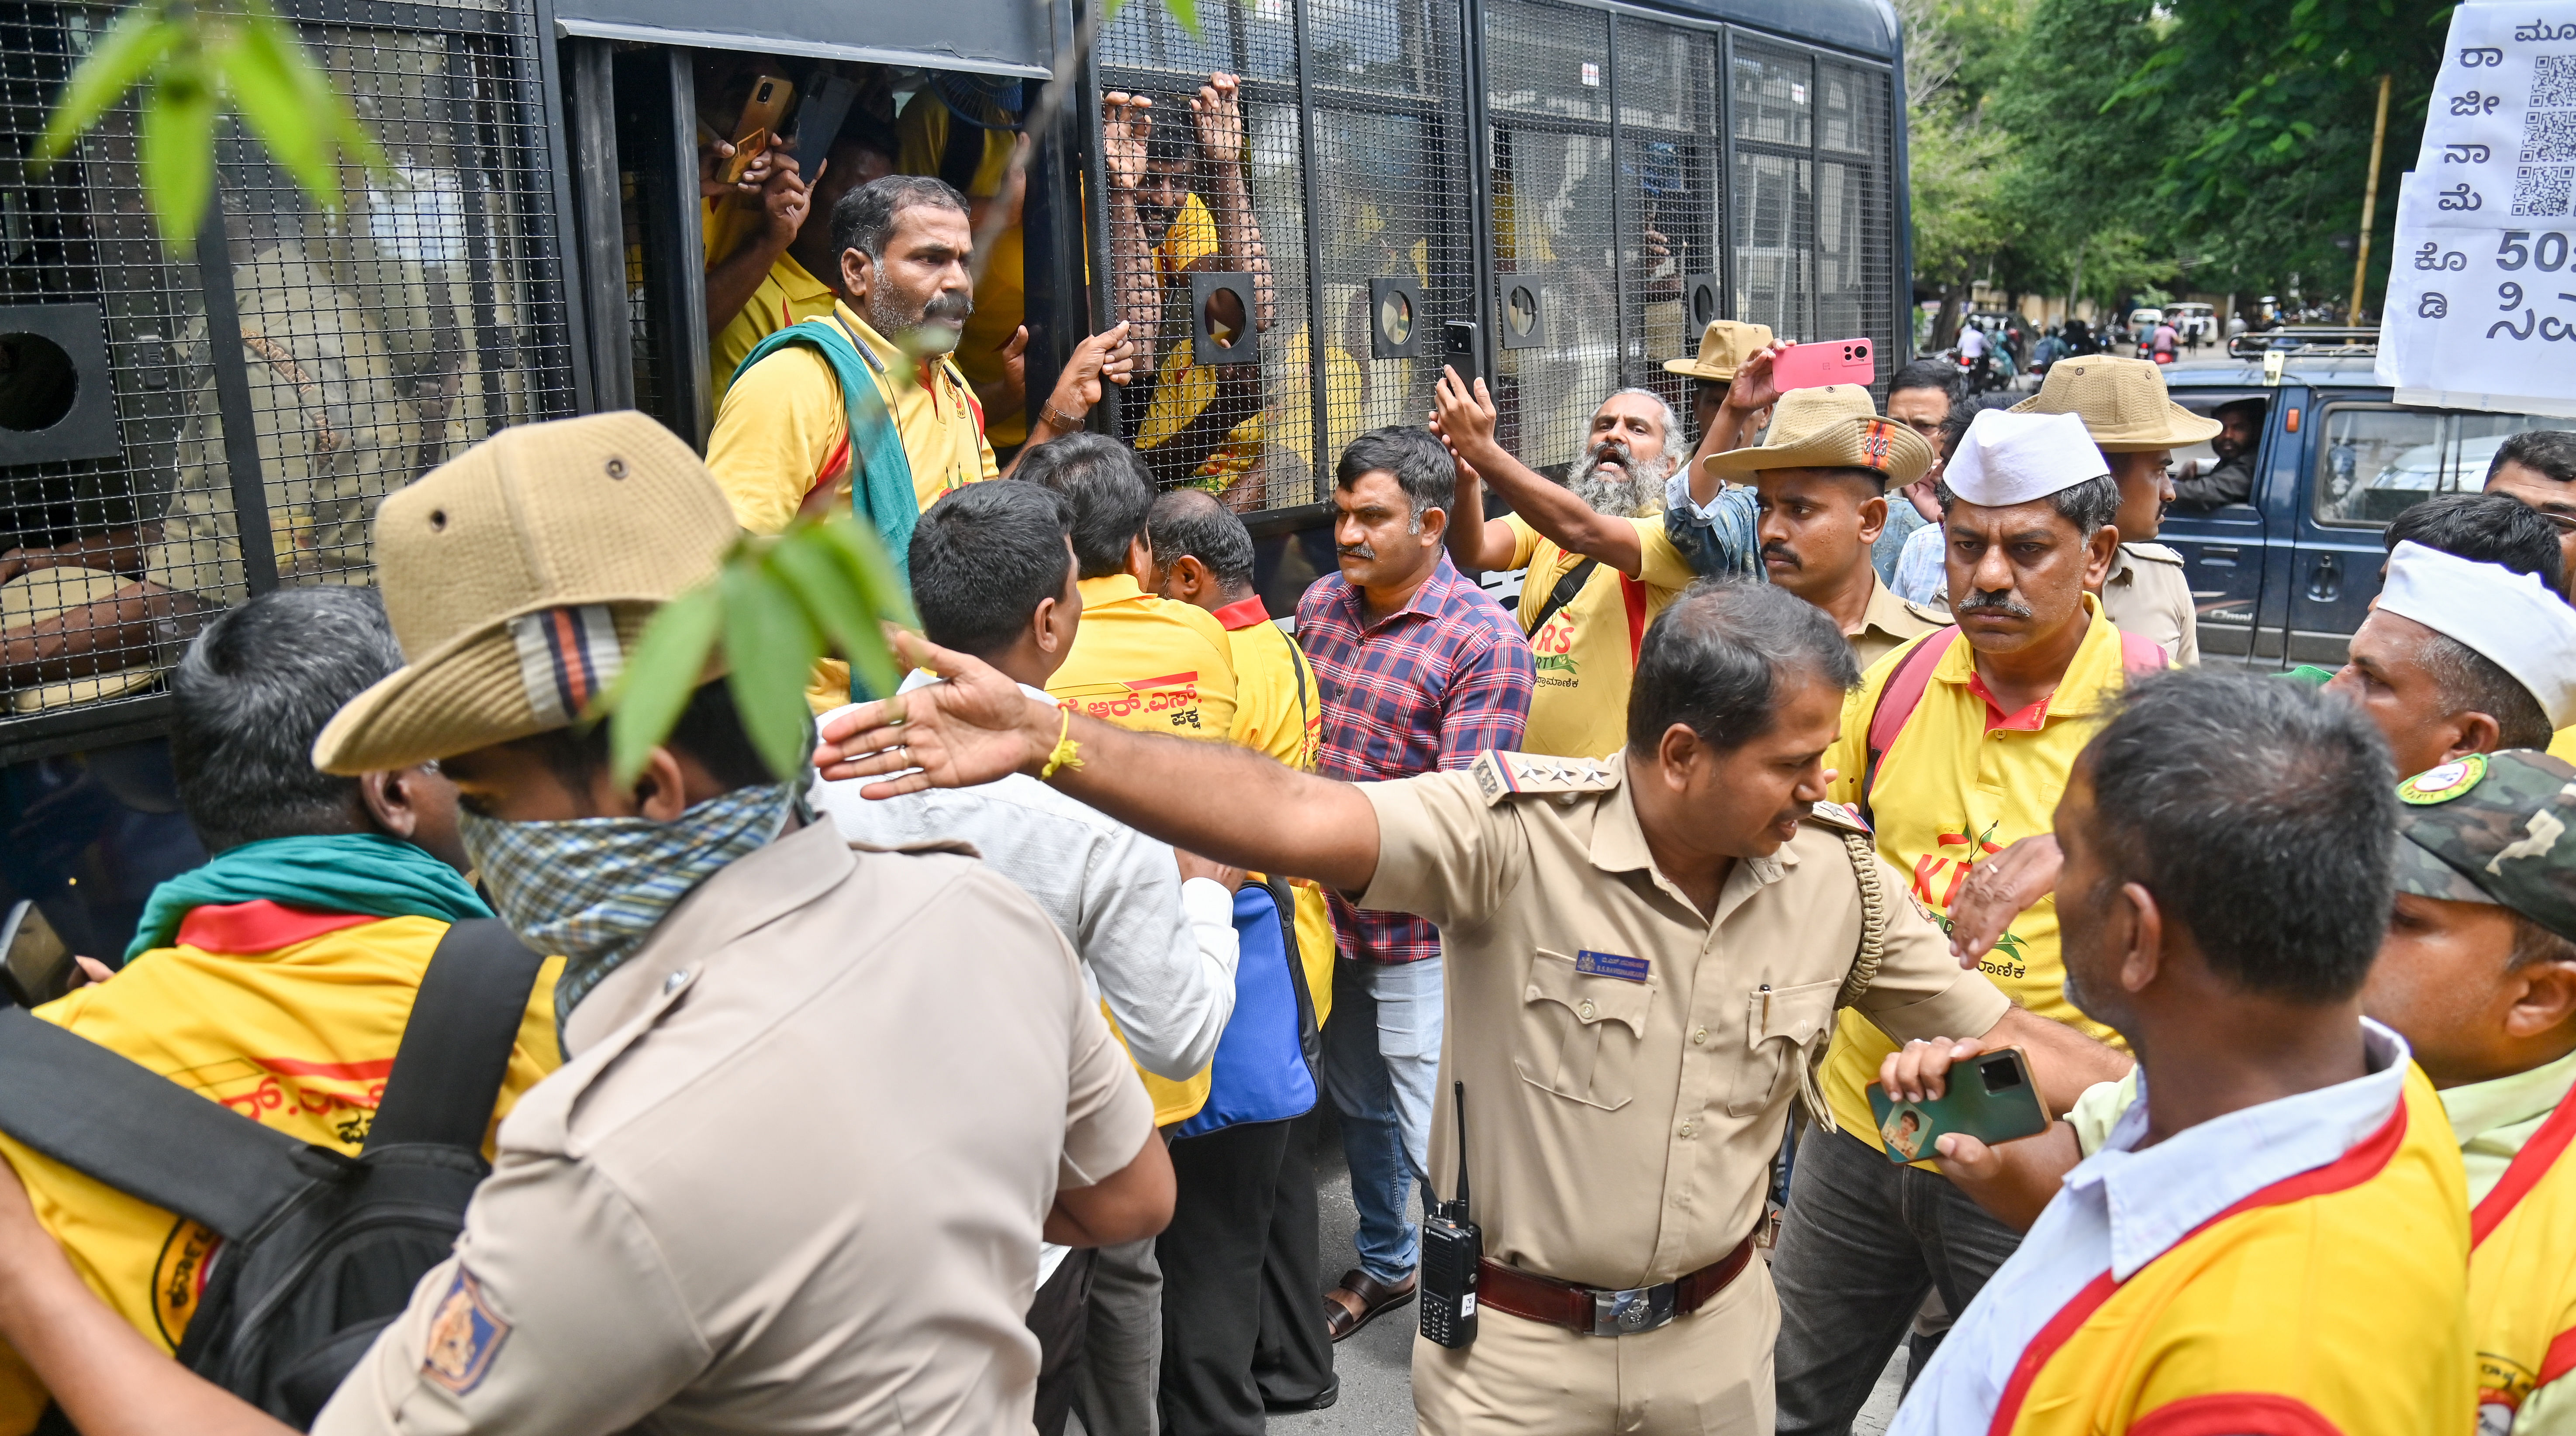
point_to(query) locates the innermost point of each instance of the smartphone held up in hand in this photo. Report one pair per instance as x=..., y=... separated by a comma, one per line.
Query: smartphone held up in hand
x=770, y=96
x=1463, y=353
x=1990, y=1097
x=1835, y=361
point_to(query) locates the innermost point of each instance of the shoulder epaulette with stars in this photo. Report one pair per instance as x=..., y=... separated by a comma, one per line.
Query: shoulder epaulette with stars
x=1501, y=775
x=1841, y=819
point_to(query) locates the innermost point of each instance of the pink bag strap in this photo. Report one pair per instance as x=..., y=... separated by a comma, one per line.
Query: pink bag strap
x=1896, y=703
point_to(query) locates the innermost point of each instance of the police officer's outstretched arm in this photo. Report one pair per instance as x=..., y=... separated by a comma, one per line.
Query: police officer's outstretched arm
x=1224, y=802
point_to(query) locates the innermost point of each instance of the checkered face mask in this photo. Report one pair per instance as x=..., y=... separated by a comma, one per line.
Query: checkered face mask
x=592, y=889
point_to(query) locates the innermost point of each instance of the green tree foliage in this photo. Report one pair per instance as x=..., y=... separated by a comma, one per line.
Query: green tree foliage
x=2112, y=146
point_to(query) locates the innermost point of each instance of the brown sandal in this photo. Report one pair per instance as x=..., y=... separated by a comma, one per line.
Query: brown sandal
x=1361, y=1299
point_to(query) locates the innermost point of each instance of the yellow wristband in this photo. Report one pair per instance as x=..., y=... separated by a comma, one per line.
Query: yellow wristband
x=1067, y=754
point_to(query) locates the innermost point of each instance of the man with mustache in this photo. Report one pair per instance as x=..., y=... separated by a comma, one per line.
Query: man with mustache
x=1645, y=952
x=1600, y=564
x=1821, y=483
x=1418, y=672
x=865, y=408
x=2125, y=409
x=1955, y=746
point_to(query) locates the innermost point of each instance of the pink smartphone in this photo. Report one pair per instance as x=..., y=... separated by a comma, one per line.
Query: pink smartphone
x=1833, y=361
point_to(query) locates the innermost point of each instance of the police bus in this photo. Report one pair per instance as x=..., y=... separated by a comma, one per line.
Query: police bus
x=1585, y=183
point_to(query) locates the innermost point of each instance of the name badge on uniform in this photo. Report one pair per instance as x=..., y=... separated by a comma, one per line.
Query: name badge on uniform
x=1611, y=964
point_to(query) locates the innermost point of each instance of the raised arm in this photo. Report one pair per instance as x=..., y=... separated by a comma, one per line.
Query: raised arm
x=1126, y=123
x=1748, y=398
x=1475, y=541
x=1467, y=421
x=1217, y=112
x=978, y=726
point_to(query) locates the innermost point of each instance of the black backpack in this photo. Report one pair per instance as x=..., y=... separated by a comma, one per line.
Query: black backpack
x=320, y=1250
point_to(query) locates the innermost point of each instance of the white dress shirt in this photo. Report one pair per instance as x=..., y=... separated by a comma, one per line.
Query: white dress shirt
x=1160, y=951
x=2122, y=1208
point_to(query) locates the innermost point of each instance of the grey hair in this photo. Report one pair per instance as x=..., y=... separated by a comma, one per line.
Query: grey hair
x=253, y=692
x=1714, y=660
x=2090, y=505
x=2262, y=815
x=864, y=218
x=1664, y=415
x=2470, y=682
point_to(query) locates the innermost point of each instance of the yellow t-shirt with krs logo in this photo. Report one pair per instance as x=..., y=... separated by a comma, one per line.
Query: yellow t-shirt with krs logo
x=300, y=1039
x=1148, y=663
x=1962, y=782
x=1586, y=651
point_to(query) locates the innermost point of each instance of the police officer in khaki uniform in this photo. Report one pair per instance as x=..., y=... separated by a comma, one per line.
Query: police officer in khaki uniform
x=2137, y=426
x=818, y=1104
x=1645, y=954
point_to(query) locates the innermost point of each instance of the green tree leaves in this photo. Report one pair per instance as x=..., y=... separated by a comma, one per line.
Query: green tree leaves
x=778, y=604
x=192, y=60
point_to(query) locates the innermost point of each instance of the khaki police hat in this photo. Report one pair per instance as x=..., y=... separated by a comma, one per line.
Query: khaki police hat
x=1832, y=426
x=2122, y=402
x=517, y=577
x=50, y=593
x=1723, y=350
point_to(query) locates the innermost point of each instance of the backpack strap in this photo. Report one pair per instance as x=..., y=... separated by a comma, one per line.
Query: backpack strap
x=1897, y=700
x=455, y=1049
x=1310, y=1040
x=1632, y=592
x=111, y=1118
x=1568, y=588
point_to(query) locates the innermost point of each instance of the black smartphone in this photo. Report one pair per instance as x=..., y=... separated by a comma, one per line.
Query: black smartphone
x=1463, y=353
x=818, y=123
x=1990, y=1097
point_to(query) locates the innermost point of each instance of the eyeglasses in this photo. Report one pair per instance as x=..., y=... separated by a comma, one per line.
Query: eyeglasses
x=2565, y=523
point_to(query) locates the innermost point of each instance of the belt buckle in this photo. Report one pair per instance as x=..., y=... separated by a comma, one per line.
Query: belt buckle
x=1625, y=1313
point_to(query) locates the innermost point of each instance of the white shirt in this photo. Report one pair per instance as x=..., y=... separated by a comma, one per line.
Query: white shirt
x=2122, y=1208
x=1972, y=343
x=1160, y=951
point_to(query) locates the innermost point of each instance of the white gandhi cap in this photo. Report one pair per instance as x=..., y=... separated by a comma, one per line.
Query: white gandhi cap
x=2007, y=458
x=2512, y=619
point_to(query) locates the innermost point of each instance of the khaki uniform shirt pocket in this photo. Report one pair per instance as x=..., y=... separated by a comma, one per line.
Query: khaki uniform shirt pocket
x=1579, y=1032
x=1781, y=1026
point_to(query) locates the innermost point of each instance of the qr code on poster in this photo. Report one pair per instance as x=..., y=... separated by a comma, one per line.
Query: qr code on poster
x=2548, y=136
x=2553, y=80
x=2543, y=189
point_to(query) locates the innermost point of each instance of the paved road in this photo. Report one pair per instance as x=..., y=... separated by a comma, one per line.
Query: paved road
x=1377, y=1391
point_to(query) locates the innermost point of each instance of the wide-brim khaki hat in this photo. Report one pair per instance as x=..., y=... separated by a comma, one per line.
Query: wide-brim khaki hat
x=50, y=593
x=518, y=575
x=2122, y=402
x=1833, y=426
x=1723, y=350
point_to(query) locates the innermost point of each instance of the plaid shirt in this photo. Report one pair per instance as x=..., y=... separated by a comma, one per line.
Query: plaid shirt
x=1424, y=688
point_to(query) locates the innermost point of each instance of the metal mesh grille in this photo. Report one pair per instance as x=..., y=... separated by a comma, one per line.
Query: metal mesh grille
x=1775, y=213
x=1236, y=429
x=1852, y=219
x=372, y=344
x=1548, y=100
x=1669, y=181
x=1391, y=186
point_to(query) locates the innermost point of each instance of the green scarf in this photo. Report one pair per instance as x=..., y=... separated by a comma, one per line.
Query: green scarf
x=345, y=872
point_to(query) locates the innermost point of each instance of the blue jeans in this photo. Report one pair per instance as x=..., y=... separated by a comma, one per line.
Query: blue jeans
x=1382, y=1068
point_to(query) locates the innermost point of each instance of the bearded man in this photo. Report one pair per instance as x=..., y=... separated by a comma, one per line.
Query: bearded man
x=1600, y=565
x=783, y=441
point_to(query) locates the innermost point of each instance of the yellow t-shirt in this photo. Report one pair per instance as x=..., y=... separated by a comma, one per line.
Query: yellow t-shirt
x=1586, y=650
x=1148, y=663
x=1181, y=388
x=1289, y=425
x=781, y=443
x=1001, y=306
x=787, y=295
x=2562, y=745
x=1279, y=711
x=300, y=1039
x=1960, y=783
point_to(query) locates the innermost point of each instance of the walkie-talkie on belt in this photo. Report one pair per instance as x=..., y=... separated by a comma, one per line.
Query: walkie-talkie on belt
x=1452, y=1246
